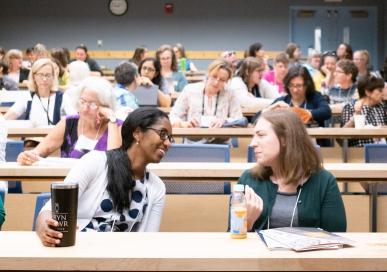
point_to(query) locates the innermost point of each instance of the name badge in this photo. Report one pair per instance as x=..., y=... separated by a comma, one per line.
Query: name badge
x=207, y=120
x=85, y=144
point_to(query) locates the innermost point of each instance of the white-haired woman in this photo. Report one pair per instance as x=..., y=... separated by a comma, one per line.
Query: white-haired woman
x=94, y=128
x=45, y=108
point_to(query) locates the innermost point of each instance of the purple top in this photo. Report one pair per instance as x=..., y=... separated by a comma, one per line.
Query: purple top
x=71, y=137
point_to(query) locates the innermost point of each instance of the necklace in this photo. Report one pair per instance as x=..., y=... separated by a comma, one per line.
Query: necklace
x=96, y=135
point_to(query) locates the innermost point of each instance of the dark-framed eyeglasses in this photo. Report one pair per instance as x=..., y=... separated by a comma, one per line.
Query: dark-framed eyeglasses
x=163, y=134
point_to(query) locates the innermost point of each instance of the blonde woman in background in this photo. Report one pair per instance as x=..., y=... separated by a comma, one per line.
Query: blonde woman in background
x=207, y=103
x=46, y=106
x=13, y=59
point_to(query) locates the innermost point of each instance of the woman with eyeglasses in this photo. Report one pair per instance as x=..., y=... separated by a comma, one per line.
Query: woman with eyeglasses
x=150, y=74
x=46, y=106
x=116, y=191
x=302, y=98
x=345, y=89
x=207, y=104
x=169, y=69
x=95, y=127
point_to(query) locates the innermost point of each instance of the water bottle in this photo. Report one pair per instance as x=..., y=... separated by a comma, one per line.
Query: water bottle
x=3, y=138
x=183, y=64
x=238, y=213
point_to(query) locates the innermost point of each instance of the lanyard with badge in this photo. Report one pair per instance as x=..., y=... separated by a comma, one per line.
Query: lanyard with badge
x=49, y=122
x=206, y=120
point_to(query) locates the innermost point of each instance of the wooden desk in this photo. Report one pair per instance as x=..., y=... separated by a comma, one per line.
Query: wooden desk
x=348, y=172
x=195, y=78
x=333, y=132
x=184, y=251
x=28, y=132
x=338, y=133
x=352, y=172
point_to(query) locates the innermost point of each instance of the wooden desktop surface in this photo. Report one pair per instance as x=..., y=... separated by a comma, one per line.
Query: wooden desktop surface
x=173, y=251
x=354, y=172
x=332, y=132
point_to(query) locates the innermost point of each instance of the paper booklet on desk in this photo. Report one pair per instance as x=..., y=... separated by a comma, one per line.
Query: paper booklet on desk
x=55, y=161
x=302, y=239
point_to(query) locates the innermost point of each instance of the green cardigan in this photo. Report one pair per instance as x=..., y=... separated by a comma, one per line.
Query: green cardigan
x=320, y=204
x=2, y=213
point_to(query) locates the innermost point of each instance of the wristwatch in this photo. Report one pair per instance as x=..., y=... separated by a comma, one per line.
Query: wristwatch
x=112, y=118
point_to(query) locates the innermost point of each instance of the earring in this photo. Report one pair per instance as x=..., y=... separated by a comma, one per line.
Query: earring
x=137, y=142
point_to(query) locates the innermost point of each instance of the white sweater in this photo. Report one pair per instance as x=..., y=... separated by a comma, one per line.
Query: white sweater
x=248, y=100
x=90, y=174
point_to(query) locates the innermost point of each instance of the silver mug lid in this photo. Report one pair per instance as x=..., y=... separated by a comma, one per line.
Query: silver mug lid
x=64, y=185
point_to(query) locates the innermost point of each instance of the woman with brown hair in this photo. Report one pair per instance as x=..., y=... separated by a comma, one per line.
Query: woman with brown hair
x=288, y=186
x=249, y=86
x=140, y=53
x=169, y=69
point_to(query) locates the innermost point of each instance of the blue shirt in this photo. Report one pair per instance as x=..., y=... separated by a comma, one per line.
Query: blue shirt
x=125, y=98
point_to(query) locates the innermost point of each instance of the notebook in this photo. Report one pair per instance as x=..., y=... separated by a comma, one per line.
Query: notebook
x=146, y=95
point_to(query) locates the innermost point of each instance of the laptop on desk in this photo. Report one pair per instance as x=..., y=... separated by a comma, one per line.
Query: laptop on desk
x=146, y=96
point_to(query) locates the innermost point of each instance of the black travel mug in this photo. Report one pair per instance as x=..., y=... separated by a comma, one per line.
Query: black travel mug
x=64, y=205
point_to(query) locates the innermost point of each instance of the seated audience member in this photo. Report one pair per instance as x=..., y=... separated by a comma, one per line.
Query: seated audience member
x=6, y=82
x=370, y=104
x=13, y=59
x=276, y=76
x=344, y=51
x=327, y=69
x=95, y=128
x=81, y=54
x=255, y=50
x=313, y=67
x=46, y=106
x=140, y=53
x=169, y=69
x=288, y=187
x=2, y=213
x=249, y=87
x=78, y=71
x=231, y=57
x=125, y=75
x=41, y=52
x=58, y=55
x=29, y=58
x=184, y=63
x=361, y=58
x=207, y=103
x=116, y=192
x=301, y=96
x=150, y=74
x=345, y=89
x=294, y=53
x=2, y=53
